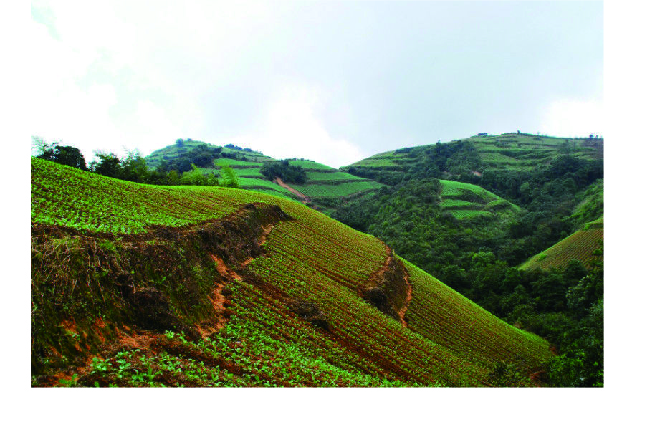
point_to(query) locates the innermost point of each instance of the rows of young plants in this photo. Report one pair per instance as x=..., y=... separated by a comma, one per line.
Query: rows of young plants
x=331, y=280
x=263, y=345
x=366, y=332
x=340, y=190
x=464, y=214
x=320, y=176
x=455, y=199
x=585, y=245
x=65, y=196
x=444, y=316
x=234, y=163
x=454, y=189
x=312, y=260
x=311, y=165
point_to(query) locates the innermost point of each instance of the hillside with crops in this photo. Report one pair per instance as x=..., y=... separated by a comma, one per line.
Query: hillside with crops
x=199, y=163
x=584, y=245
x=478, y=158
x=483, y=213
x=150, y=286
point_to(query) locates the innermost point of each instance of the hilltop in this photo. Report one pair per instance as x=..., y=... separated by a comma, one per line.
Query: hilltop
x=137, y=285
x=324, y=187
x=478, y=159
x=191, y=148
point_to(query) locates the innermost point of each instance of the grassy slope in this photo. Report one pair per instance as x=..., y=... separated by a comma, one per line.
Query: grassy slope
x=311, y=259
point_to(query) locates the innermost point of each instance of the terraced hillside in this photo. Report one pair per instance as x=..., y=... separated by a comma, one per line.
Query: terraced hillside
x=136, y=285
x=328, y=187
x=324, y=187
x=188, y=147
x=585, y=245
x=465, y=200
x=250, y=177
x=496, y=153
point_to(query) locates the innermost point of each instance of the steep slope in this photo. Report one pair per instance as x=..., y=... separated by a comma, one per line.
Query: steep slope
x=196, y=286
x=584, y=245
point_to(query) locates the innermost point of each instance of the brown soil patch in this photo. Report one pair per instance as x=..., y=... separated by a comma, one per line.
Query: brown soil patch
x=225, y=271
x=409, y=296
x=388, y=289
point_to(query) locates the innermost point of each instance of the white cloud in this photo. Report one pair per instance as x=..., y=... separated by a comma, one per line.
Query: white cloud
x=570, y=118
x=292, y=129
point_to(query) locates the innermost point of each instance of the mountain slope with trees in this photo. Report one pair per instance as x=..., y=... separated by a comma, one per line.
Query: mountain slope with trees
x=556, y=187
x=137, y=285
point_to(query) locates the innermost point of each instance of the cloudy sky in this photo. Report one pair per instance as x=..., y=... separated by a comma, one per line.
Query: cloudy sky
x=329, y=81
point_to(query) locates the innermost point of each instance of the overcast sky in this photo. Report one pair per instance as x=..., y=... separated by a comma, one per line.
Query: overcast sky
x=329, y=81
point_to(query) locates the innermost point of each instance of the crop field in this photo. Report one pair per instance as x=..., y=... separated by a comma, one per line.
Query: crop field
x=322, y=182
x=455, y=203
x=318, y=177
x=309, y=261
x=68, y=197
x=509, y=152
x=475, y=334
x=338, y=190
x=585, y=246
x=311, y=165
x=233, y=163
x=466, y=201
x=244, y=172
x=376, y=162
x=463, y=214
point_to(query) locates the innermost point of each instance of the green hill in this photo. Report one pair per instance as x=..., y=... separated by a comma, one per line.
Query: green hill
x=192, y=147
x=325, y=187
x=137, y=285
x=476, y=158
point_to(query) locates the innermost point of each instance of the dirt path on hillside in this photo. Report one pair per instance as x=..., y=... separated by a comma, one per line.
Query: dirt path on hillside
x=305, y=199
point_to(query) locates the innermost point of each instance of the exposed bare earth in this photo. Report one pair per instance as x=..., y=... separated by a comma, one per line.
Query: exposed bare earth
x=389, y=288
x=305, y=199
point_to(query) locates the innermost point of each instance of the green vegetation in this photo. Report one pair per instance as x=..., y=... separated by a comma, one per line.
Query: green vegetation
x=180, y=155
x=344, y=189
x=470, y=212
x=81, y=200
x=258, y=291
x=284, y=171
x=585, y=245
